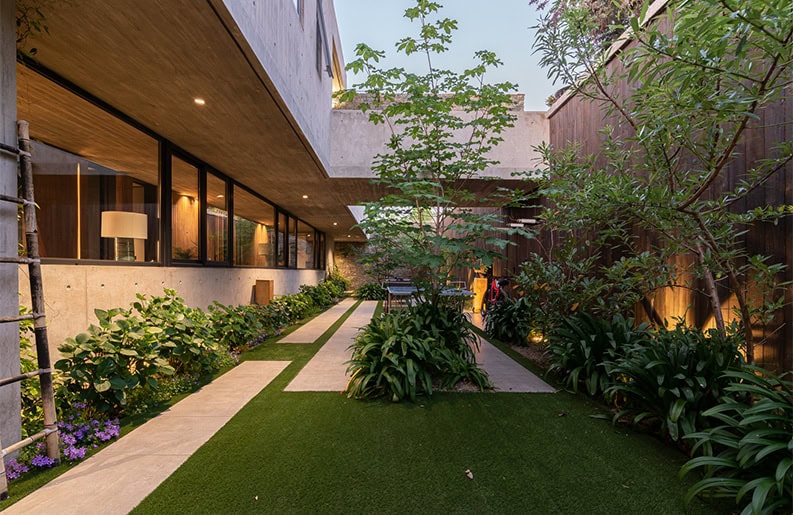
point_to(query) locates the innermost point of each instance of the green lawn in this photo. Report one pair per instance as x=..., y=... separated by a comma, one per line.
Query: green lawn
x=323, y=453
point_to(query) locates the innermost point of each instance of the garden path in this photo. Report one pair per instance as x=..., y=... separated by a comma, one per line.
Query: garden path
x=310, y=332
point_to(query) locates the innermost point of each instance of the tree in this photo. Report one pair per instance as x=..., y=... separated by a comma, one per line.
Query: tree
x=442, y=125
x=700, y=77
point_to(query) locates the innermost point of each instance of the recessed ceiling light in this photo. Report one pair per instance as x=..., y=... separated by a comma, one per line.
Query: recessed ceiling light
x=305, y=196
x=220, y=196
x=199, y=101
x=335, y=223
x=349, y=236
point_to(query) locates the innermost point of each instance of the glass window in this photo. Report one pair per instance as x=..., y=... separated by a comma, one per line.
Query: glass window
x=292, y=242
x=254, y=230
x=306, y=241
x=91, y=211
x=217, y=218
x=282, y=239
x=184, y=210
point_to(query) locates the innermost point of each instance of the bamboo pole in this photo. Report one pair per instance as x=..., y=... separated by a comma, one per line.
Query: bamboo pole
x=37, y=294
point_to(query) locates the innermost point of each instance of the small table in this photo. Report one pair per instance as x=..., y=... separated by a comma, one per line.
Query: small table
x=399, y=294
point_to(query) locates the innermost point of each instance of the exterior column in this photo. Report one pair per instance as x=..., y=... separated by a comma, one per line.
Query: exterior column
x=9, y=296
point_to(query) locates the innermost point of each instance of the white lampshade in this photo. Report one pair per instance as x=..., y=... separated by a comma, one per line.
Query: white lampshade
x=124, y=224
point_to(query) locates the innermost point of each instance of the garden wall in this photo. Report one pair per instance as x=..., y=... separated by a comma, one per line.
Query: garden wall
x=574, y=119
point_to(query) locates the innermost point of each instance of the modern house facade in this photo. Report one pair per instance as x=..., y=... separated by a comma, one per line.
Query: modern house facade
x=184, y=145
x=177, y=144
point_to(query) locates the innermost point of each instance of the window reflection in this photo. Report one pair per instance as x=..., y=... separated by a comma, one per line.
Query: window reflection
x=184, y=210
x=216, y=218
x=254, y=230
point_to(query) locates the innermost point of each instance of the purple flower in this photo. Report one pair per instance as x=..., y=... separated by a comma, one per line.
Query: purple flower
x=74, y=453
x=14, y=469
x=42, y=461
x=68, y=439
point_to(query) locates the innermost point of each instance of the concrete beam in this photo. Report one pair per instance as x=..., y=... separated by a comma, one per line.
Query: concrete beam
x=9, y=297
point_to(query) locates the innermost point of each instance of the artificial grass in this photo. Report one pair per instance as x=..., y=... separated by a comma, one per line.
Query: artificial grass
x=304, y=452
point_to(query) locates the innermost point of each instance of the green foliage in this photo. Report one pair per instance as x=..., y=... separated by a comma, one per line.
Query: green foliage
x=400, y=354
x=30, y=389
x=181, y=333
x=293, y=307
x=750, y=449
x=371, y=291
x=668, y=166
x=120, y=353
x=671, y=381
x=238, y=327
x=580, y=348
x=511, y=320
x=442, y=127
x=339, y=280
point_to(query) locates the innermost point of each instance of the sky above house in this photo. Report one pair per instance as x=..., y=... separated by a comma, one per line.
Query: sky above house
x=501, y=26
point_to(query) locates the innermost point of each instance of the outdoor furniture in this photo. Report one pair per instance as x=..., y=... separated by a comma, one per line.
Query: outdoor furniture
x=399, y=294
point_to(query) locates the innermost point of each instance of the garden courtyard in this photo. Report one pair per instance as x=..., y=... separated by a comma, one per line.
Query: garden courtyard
x=275, y=446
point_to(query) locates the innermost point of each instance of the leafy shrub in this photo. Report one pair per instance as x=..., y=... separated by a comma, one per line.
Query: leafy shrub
x=339, y=280
x=750, y=451
x=181, y=333
x=581, y=344
x=100, y=366
x=401, y=353
x=243, y=326
x=387, y=359
x=510, y=321
x=294, y=307
x=371, y=291
x=671, y=381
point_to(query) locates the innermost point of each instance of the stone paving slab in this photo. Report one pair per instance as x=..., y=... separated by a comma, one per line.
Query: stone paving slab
x=121, y=475
x=506, y=374
x=326, y=371
x=309, y=332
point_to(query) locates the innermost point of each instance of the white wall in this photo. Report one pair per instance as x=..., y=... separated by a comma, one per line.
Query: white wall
x=73, y=292
x=355, y=142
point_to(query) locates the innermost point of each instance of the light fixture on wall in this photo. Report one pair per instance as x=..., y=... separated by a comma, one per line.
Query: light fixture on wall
x=125, y=227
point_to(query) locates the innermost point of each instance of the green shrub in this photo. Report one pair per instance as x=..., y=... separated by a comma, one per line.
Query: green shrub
x=239, y=327
x=182, y=333
x=671, y=381
x=579, y=347
x=338, y=280
x=371, y=291
x=750, y=451
x=295, y=306
x=401, y=353
x=120, y=353
x=510, y=321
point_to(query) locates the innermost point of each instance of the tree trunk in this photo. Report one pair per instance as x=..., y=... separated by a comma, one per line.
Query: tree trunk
x=713, y=293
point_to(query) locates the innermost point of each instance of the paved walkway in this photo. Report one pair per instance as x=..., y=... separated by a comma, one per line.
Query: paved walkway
x=311, y=331
x=327, y=370
x=117, y=478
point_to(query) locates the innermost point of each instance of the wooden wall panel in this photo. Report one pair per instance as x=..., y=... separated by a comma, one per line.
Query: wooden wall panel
x=578, y=122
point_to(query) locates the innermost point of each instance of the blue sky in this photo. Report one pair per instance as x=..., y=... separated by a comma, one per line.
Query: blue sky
x=501, y=26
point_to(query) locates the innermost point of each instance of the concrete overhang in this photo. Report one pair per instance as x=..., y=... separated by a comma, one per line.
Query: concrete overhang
x=149, y=59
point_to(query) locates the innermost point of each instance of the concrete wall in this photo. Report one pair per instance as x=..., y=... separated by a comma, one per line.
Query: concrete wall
x=9, y=333
x=73, y=292
x=286, y=48
x=355, y=142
